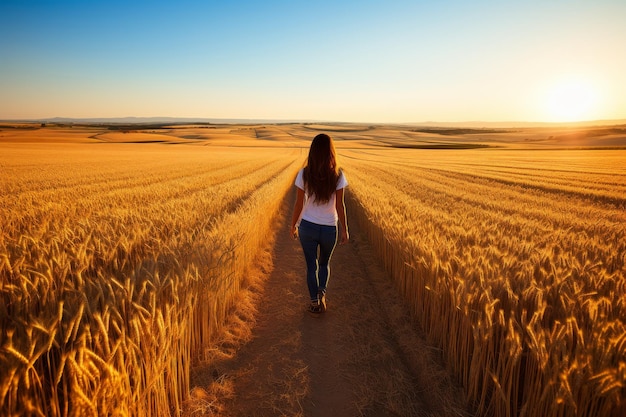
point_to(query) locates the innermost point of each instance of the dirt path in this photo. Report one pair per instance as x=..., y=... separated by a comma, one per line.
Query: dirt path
x=363, y=357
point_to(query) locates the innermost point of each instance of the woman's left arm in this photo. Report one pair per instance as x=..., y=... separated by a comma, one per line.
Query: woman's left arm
x=340, y=205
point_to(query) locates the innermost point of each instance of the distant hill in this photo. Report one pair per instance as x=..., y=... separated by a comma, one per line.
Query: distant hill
x=146, y=120
x=192, y=120
x=502, y=125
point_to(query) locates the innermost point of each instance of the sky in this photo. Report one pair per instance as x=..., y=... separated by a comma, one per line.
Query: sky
x=352, y=61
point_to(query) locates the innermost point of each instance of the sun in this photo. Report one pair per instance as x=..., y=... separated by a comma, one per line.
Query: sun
x=570, y=100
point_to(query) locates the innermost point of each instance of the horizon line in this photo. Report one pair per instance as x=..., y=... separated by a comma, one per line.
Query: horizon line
x=234, y=120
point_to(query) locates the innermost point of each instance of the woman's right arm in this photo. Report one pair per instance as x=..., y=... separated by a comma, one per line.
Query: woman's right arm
x=297, y=210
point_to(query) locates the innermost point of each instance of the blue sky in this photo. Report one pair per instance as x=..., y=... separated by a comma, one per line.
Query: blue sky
x=362, y=61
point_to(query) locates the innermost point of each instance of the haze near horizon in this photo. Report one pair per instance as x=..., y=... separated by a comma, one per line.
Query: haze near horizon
x=370, y=61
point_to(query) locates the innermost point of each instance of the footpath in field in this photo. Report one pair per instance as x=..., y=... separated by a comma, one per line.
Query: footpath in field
x=363, y=357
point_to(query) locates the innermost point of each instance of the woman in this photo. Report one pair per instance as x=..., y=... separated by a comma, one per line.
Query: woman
x=318, y=214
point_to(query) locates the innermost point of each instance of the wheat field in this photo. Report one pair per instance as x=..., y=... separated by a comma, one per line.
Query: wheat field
x=118, y=263
x=122, y=252
x=514, y=262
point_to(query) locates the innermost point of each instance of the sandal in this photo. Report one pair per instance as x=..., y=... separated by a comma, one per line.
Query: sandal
x=315, y=307
x=321, y=297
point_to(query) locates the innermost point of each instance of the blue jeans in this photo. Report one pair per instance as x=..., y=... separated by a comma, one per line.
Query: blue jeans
x=313, y=237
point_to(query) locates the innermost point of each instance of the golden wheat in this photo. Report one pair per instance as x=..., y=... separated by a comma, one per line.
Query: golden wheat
x=514, y=262
x=118, y=263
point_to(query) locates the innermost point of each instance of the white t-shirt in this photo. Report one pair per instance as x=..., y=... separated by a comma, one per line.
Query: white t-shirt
x=324, y=214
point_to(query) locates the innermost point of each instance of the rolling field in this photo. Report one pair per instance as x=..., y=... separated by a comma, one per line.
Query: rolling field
x=118, y=263
x=514, y=263
x=121, y=253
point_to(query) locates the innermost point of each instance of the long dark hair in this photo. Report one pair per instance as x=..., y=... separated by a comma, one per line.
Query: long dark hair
x=321, y=173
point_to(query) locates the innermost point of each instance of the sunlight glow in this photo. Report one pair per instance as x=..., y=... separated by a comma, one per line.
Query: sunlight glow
x=571, y=100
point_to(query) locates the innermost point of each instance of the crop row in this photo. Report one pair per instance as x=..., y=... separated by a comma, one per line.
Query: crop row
x=114, y=282
x=522, y=285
